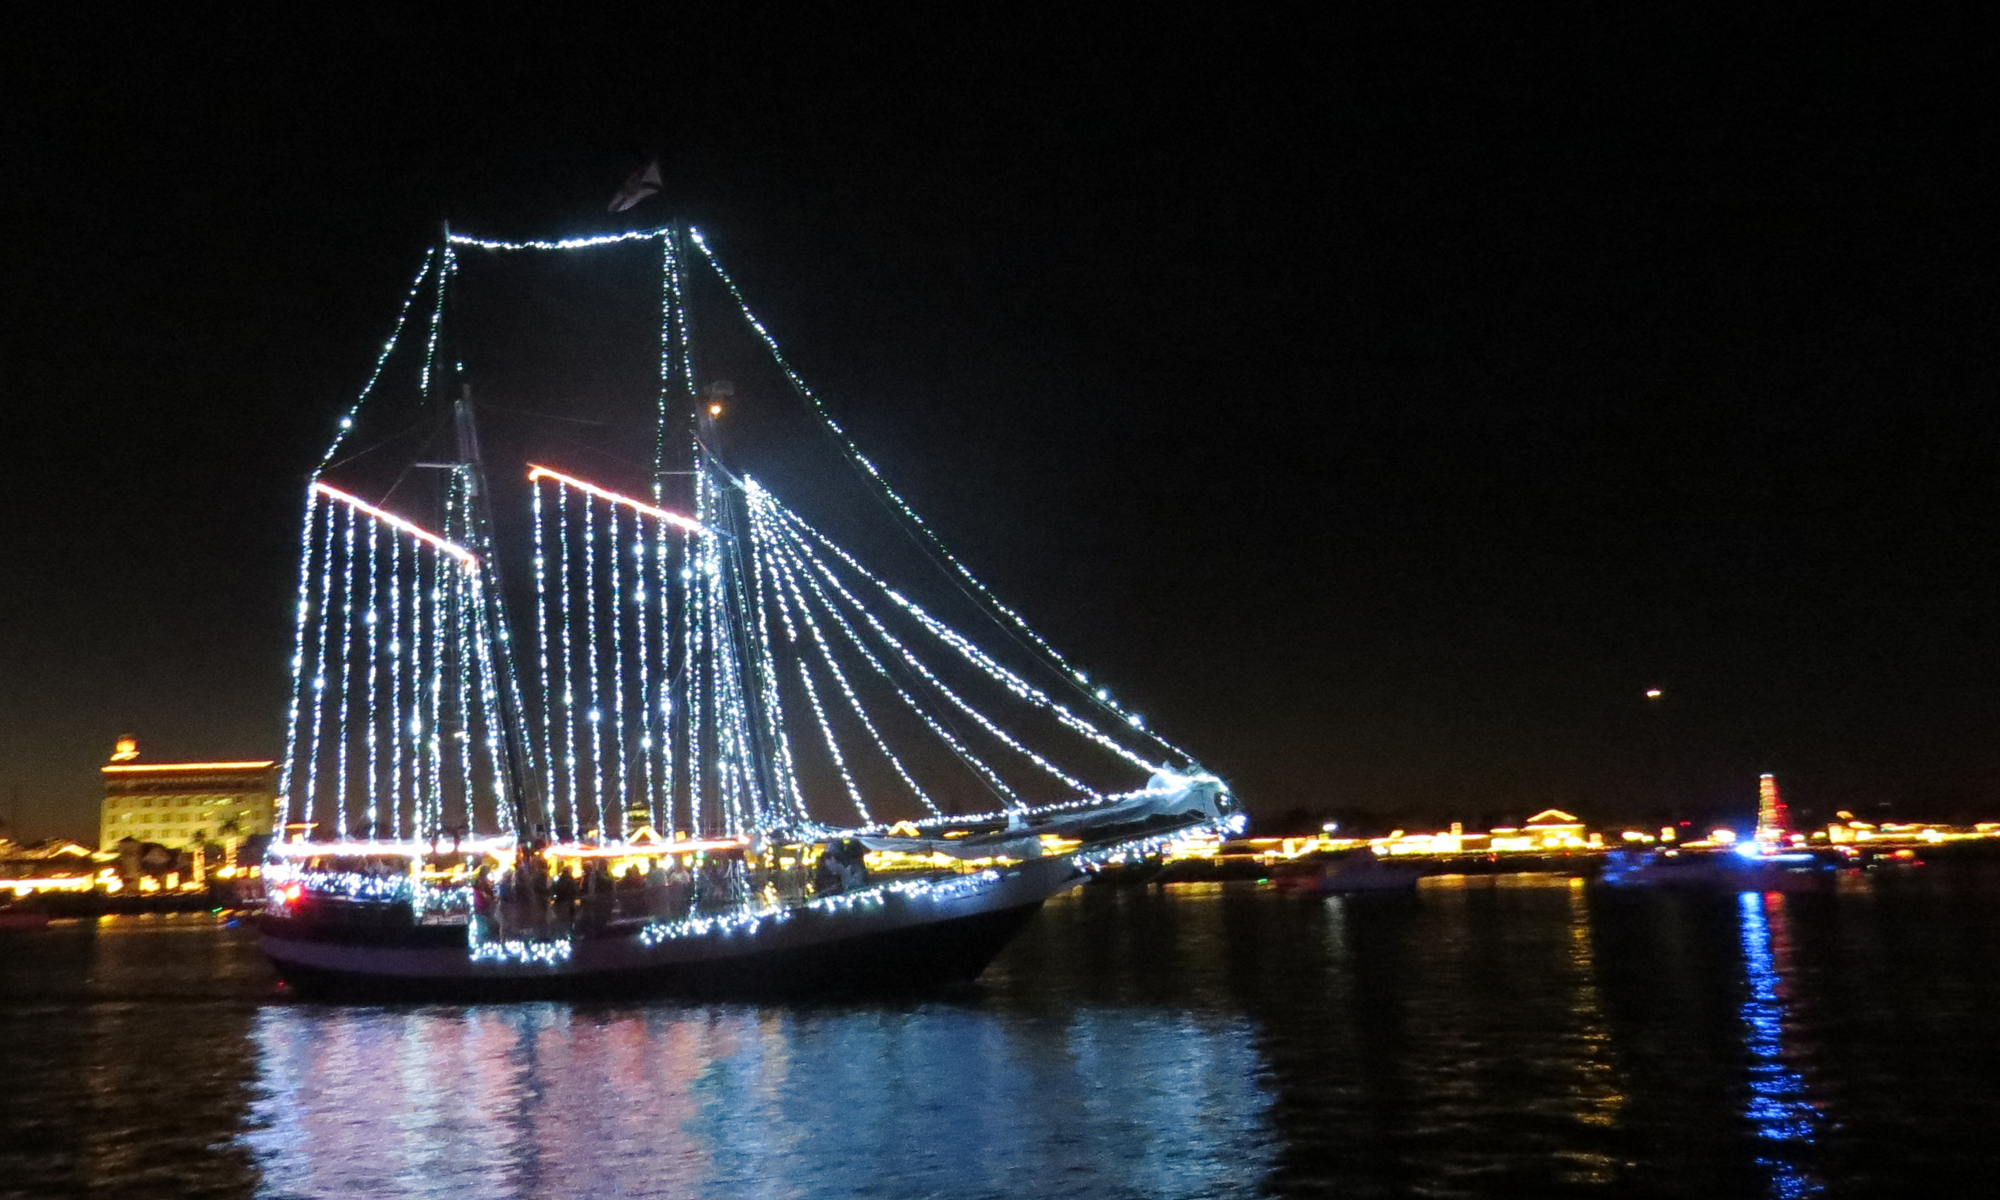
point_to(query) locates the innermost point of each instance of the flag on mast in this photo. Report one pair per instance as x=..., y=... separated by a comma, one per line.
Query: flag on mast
x=644, y=182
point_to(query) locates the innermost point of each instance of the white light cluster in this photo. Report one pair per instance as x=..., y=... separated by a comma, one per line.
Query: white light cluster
x=751, y=921
x=393, y=640
x=552, y=952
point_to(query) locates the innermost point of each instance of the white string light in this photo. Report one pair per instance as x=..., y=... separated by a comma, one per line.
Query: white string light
x=972, y=653
x=978, y=765
x=575, y=243
x=345, y=425
x=819, y=409
x=372, y=719
x=592, y=637
x=304, y=608
x=957, y=701
x=761, y=536
x=395, y=687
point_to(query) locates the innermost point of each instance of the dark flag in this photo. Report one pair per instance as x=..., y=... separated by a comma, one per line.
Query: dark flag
x=644, y=182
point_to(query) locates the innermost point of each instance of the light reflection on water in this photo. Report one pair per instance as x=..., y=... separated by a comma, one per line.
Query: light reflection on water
x=1499, y=1037
x=934, y=1099
x=1779, y=1107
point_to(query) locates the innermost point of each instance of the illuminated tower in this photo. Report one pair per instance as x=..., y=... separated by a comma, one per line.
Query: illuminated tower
x=1773, y=822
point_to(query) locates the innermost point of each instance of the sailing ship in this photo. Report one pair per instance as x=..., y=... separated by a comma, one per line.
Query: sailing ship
x=619, y=719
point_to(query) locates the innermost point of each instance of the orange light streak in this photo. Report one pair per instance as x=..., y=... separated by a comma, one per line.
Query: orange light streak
x=208, y=766
x=687, y=523
x=452, y=548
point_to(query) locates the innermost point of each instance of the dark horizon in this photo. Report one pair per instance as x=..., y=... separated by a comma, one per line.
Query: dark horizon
x=1381, y=408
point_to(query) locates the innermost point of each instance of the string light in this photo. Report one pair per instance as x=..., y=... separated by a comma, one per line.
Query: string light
x=916, y=664
x=761, y=538
x=575, y=243
x=372, y=617
x=979, y=767
x=303, y=609
x=345, y=425
x=592, y=638
x=437, y=321
x=617, y=565
x=902, y=506
x=972, y=653
x=395, y=687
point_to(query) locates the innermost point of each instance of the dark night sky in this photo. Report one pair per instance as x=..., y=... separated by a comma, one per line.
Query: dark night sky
x=1382, y=404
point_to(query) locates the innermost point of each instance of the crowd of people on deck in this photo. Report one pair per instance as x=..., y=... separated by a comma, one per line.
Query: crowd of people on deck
x=556, y=897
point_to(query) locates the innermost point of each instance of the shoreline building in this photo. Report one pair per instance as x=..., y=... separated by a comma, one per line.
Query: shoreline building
x=186, y=805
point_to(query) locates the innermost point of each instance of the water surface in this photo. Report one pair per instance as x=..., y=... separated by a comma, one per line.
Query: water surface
x=1522, y=1036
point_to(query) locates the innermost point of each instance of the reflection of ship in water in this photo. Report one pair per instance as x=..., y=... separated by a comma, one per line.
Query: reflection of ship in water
x=722, y=753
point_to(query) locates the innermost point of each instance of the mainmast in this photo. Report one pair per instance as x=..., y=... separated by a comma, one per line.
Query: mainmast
x=493, y=630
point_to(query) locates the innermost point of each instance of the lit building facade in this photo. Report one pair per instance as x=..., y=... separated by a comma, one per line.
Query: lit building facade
x=184, y=805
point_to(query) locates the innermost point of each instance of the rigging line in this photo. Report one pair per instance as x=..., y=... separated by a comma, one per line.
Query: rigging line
x=575, y=243
x=965, y=706
x=311, y=794
x=417, y=727
x=437, y=323
x=396, y=730
x=986, y=774
x=285, y=771
x=617, y=566
x=432, y=811
x=463, y=618
x=372, y=447
x=568, y=662
x=761, y=535
x=970, y=652
x=346, y=676
x=752, y=633
x=911, y=521
x=373, y=716
x=346, y=423
x=489, y=699
x=642, y=654
x=538, y=521
x=665, y=585
x=591, y=639
x=767, y=673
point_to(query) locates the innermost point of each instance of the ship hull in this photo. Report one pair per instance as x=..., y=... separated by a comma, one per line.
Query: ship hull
x=897, y=944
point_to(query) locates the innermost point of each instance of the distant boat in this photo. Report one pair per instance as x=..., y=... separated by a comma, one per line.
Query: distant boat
x=1357, y=872
x=1721, y=870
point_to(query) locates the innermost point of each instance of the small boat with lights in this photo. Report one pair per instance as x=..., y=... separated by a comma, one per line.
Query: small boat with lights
x=1746, y=867
x=628, y=723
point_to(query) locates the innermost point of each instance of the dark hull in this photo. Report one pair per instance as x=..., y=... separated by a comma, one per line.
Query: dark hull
x=902, y=961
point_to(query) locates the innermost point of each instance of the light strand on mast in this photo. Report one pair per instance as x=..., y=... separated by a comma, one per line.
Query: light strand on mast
x=572, y=805
x=550, y=792
x=1101, y=697
x=957, y=701
x=345, y=425
x=346, y=677
x=372, y=617
x=763, y=534
x=396, y=726
x=972, y=653
x=286, y=769
x=979, y=767
x=592, y=636
x=437, y=322
x=641, y=624
x=622, y=793
x=767, y=599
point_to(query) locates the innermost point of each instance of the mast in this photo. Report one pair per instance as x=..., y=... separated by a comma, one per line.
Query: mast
x=516, y=759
